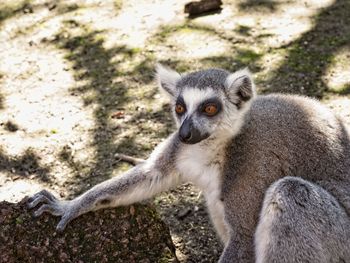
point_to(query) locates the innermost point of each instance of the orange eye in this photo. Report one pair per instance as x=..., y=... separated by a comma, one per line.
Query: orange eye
x=179, y=109
x=211, y=110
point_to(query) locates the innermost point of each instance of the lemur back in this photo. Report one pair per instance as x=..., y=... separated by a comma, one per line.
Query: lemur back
x=282, y=136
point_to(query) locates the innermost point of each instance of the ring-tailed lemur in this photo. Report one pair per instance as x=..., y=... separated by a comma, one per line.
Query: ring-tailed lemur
x=275, y=170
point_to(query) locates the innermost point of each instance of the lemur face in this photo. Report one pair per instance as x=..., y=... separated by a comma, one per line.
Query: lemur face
x=207, y=103
x=198, y=112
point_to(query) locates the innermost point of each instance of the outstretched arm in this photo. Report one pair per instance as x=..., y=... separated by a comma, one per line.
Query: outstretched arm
x=156, y=174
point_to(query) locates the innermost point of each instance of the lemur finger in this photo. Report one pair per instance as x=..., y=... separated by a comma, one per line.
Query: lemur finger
x=46, y=208
x=37, y=200
x=42, y=193
x=30, y=199
x=63, y=223
x=48, y=195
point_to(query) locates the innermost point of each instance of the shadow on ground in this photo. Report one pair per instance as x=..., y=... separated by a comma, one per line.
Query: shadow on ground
x=344, y=90
x=237, y=57
x=259, y=5
x=186, y=214
x=25, y=165
x=98, y=67
x=301, y=72
x=8, y=11
x=310, y=55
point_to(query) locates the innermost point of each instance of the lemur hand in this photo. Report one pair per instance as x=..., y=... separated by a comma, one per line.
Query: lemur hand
x=68, y=210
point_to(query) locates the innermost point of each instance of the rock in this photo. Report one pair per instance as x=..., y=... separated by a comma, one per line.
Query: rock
x=130, y=234
x=199, y=7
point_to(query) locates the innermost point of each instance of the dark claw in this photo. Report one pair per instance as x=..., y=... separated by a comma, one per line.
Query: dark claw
x=48, y=195
x=29, y=200
x=39, y=200
x=34, y=214
x=62, y=225
x=43, y=196
x=59, y=229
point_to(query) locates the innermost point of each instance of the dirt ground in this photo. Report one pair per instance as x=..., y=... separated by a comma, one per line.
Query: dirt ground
x=76, y=86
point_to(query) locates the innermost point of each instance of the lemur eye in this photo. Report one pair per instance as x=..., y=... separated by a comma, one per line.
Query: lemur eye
x=211, y=109
x=179, y=109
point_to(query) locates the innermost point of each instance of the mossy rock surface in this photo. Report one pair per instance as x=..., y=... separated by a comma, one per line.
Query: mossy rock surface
x=127, y=234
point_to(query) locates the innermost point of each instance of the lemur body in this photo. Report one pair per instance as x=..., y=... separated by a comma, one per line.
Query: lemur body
x=275, y=170
x=287, y=138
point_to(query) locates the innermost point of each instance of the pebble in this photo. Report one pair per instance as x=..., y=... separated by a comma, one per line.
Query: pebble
x=184, y=213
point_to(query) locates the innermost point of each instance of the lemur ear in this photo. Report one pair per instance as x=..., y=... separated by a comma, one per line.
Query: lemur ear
x=240, y=86
x=167, y=79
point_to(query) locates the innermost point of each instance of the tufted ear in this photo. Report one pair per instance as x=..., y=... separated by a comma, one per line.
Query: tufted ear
x=167, y=79
x=240, y=86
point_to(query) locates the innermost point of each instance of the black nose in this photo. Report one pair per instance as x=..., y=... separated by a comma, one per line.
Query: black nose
x=185, y=137
x=185, y=133
x=189, y=134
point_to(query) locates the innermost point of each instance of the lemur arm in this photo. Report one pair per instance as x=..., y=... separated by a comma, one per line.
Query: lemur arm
x=143, y=181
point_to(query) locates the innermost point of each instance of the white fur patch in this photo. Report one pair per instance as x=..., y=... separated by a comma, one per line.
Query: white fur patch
x=200, y=164
x=233, y=120
x=167, y=79
x=193, y=97
x=217, y=215
x=235, y=80
x=263, y=230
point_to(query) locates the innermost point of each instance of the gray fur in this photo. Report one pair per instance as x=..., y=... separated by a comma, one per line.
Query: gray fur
x=214, y=78
x=275, y=171
x=151, y=178
x=284, y=136
x=307, y=223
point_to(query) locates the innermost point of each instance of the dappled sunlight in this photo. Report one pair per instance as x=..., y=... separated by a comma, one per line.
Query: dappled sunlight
x=281, y=25
x=294, y=19
x=137, y=21
x=9, y=8
x=340, y=105
x=129, y=23
x=98, y=82
x=22, y=173
x=272, y=60
x=41, y=103
x=72, y=66
x=195, y=44
x=337, y=75
x=309, y=56
x=14, y=191
x=38, y=102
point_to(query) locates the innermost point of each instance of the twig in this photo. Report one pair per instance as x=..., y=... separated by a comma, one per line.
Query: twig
x=129, y=159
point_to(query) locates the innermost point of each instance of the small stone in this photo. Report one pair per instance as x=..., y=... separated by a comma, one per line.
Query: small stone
x=184, y=213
